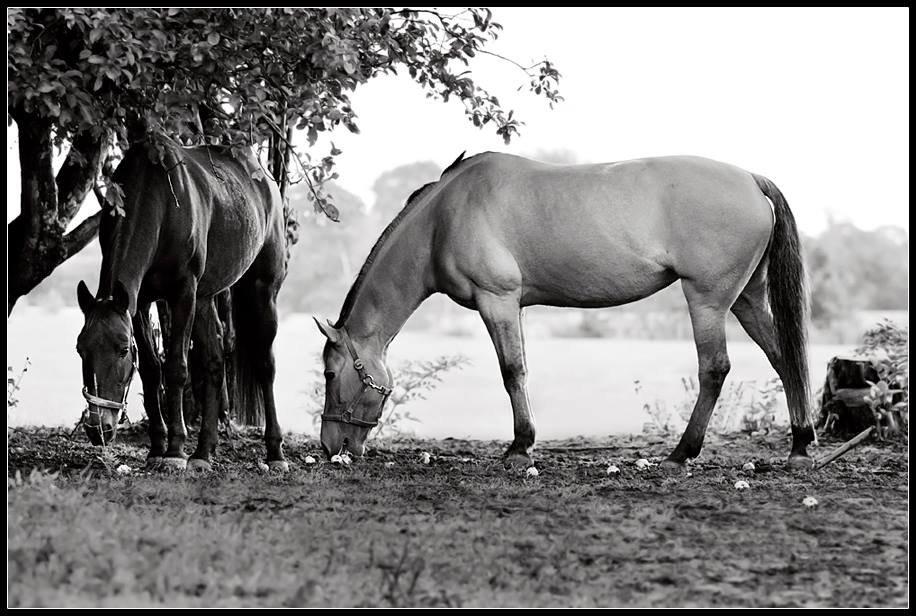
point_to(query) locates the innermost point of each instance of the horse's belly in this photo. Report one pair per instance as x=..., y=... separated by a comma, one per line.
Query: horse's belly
x=227, y=261
x=592, y=283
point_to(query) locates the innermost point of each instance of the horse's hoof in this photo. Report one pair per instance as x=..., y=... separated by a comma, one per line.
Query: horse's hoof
x=199, y=466
x=153, y=462
x=798, y=462
x=517, y=460
x=279, y=466
x=672, y=467
x=168, y=463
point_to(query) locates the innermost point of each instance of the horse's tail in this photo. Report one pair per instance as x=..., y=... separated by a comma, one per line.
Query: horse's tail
x=245, y=391
x=788, y=300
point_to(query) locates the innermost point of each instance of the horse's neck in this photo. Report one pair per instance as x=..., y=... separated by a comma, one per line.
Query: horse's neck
x=395, y=285
x=130, y=253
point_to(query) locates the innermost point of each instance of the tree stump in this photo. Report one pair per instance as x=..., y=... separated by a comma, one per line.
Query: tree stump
x=844, y=406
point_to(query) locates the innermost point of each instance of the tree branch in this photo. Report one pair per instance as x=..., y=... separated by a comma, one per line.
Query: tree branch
x=77, y=239
x=77, y=175
x=526, y=69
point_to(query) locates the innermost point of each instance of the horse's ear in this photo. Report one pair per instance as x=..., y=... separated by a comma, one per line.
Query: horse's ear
x=84, y=297
x=119, y=297
x=328, y=330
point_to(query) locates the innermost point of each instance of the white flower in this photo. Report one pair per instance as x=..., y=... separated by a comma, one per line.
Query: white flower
x=310, y=460
x=809, y=501
x=263, y=467
x=748, y=467
x=532, y=472
x=689, y=474
x=612, y=470
x=345, y=458
x=123, y=469
x=741, y=485
x=643, y=464
x=336, y=459
x=424, y=457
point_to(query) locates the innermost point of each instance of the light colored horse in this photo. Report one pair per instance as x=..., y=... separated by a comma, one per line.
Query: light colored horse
x=498, y=232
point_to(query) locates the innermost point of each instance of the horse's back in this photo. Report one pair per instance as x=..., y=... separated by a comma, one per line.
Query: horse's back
x=599, y=234
x=245, y=214
x=213, y=217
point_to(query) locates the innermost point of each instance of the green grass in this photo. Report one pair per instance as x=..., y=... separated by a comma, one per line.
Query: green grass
x=461, y=531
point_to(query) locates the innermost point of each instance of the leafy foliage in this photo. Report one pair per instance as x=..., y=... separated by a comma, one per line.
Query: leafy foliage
x=242, y=77
x=887, y=346
x=744, y=407
x=14, y=383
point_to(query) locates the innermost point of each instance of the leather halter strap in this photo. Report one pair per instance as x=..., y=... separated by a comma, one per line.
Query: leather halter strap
x=368, y=383
x=99, y=402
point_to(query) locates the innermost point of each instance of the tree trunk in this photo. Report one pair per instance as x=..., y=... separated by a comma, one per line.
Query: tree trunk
x=37, y=241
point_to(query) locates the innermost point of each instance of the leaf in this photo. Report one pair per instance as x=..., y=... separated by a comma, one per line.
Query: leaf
x=53, y=106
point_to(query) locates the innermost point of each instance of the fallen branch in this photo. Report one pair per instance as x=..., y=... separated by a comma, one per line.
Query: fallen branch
x=839, y=451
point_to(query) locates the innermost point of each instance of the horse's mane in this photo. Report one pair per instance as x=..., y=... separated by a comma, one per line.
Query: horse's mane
x=412, y=201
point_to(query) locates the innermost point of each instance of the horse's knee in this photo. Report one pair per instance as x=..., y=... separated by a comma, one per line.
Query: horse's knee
x=176, y=373
x=714, y=369
x=514, y=374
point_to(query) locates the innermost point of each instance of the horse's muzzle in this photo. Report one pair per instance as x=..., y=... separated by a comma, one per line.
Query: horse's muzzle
x=101, y=433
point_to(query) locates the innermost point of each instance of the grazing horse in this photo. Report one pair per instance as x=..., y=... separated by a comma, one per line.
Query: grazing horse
x=194, y=225
x=498, y=232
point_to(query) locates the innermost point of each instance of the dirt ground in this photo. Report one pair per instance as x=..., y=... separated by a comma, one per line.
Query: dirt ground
x=460, y=531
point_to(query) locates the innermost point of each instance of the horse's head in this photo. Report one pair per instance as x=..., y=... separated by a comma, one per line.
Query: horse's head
x=109, y=354
x=357, y=385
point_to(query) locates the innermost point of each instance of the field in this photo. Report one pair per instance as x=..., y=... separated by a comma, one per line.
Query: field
x=461, y=531
x=577, y=386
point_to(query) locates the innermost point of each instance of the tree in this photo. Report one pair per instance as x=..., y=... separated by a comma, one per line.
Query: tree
x=92, y=81
x=393, y=187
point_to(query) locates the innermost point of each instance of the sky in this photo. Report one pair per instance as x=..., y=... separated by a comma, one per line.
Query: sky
x=815, y=99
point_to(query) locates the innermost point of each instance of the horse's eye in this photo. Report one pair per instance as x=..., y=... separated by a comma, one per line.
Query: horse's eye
x=124, y=352
x=329, y=375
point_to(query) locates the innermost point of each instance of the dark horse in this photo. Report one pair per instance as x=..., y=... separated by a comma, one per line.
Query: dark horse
x=194, y=225
x=497, y=233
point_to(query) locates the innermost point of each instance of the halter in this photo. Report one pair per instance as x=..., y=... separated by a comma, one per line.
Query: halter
x=368, y=383
x=98, y=402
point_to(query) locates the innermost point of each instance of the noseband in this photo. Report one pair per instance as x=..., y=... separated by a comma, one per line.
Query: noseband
x=98, y=402
x=368, y=383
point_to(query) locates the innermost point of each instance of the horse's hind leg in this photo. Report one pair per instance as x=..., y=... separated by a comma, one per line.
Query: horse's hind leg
x=265, y=295
x=750, y=308
x=150, y=368
x=224, y=310
x=502, y=316
x=707, y=315
x=208, y=334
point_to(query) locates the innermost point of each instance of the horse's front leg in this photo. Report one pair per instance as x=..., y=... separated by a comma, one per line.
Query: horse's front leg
x=150, y=368
x=502, y=316
x=208, y=333
x=181, y=308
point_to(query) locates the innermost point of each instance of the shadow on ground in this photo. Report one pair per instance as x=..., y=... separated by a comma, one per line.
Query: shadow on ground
x=460, y=531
